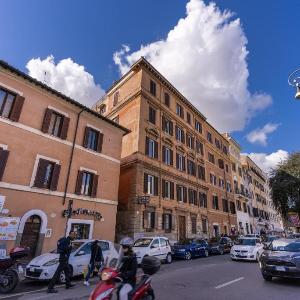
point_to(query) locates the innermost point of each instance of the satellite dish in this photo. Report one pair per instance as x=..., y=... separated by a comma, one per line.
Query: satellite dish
x=294, y=80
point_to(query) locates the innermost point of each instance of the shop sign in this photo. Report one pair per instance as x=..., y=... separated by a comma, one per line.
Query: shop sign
x=8, y=228
x=2, y=200
x=48, y=232
x=143, y=199
x=82, y=211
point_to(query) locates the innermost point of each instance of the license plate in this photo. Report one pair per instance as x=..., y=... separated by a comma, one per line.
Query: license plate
x=280, y=269
x=20, y=269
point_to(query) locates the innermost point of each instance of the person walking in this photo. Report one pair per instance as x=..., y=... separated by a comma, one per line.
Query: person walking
x=64, y=249
x=96, y=260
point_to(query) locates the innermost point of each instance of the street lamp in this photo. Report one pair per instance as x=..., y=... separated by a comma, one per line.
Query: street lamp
x=294, y=80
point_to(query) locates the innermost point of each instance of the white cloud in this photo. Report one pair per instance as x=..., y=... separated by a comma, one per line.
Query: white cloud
x=67, y=77
x=267, y=162
x=260, y=135
x=204, y=56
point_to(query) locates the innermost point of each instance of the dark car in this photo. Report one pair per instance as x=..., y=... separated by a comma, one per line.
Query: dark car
x=281, y=259
x=220, y=246
x=190, y=248
x=269, y=239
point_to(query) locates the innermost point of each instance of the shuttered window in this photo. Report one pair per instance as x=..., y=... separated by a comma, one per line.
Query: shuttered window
x=152, y=87
x=191, y=167
x=181, y=192
x=180, y=162
x=198, y=126
x=55, y=124
x=149, y=218
x=150, y=184
x=167, y=155
x=190, y=141
x=10, y=105
x=179, y=134
x=167, y=189
x=3, y=161
x=232, y=207
x=225, y=205
x=194, y=224
x=116, y=98
x=87, y=184
x=201, y=172
x=202, y=200
x=179, y=110
x=167, y=125
x=47, y=175
x=151, y=148
x=204, y=225
x=215, y=202
x=199, y=147
x=167, y=99
x=93, y=139
x=152, y=115
x=167, y=222
x=193, y=197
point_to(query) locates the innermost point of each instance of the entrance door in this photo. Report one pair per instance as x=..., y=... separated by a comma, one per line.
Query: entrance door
x=181, y=228
x=216, y=230
x=30, y=236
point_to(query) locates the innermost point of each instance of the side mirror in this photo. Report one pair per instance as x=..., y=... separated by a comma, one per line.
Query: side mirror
x=154, y=246
x=81, y=252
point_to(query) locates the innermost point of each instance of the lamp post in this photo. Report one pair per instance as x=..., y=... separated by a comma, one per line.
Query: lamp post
x=294, y=80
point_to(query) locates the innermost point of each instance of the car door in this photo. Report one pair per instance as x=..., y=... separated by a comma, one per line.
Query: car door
x=155, y=249
x=163, y=248
x=81, y=258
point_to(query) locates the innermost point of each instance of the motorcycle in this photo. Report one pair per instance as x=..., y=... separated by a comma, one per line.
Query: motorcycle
x=111, y=281
x=10, y=269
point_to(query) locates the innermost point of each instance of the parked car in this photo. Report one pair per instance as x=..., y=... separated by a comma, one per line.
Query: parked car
x=153, y=246
x=252, y=235
x=43, y=267
x=269, y=239
x=190, y=248
x=220, y=245
x=246, y=249
x=281, y=259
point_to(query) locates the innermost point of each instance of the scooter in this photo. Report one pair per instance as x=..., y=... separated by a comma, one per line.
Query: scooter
x=110, y=281
x=10, y=269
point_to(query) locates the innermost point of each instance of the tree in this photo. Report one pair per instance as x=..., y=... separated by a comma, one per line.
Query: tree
x=285, y=185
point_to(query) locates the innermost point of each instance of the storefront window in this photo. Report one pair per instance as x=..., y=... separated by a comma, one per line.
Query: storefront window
x=82, y=230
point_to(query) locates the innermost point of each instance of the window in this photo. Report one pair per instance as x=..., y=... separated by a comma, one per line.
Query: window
x=227, y=168
x=180, y=162
x=167, y=126
x=209, y=137
x=152, y=115
x=167, y=155
x=166, y=225
x=240, y=172
x=202, y=199
x=10, y=105
x=179, y=134
x=225, y=205
x=199, y=147
x=152, y=87
x=215, y=202
x=47, y=175
x=211, y=158
x=213, y=179
x=151, y=148
x=198, y=126
x=221, y=183
x=233, y=167
x=150, y=185
x=167, y=99
x=86, y=186
x=244, y=207
x=181, y=192
x=82, y=232
x=232, y=207
x=191, y=167
x=201, y=172
x=167, y=189
x=116, y=98
x=228, y=187
x=193, y=197
x=87, y=183
x=102, y=109
x=93, y=139
x=238, y=205
x=194, y=224
x=221, y=163
x=179, y=111
x=218, y=144
x=225, y=150
x=3, y=160
x=149, y=221
x=188, y=117
x=204, y=225
x=190, y=141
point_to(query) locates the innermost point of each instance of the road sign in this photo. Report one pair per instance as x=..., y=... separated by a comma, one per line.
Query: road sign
x=143, y=199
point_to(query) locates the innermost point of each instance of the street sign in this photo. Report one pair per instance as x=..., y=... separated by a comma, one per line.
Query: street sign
x=143, y=199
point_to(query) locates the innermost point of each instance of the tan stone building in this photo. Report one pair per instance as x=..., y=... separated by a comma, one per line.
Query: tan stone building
x=175, y=170
x=53, y=150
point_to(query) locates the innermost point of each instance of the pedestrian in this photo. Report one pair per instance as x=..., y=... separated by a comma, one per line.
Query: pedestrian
x=96, y=260
x=64, y=249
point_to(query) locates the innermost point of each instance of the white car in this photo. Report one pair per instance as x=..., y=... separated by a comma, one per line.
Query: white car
x=43, y=267
x=246, y=249
x=153, y=246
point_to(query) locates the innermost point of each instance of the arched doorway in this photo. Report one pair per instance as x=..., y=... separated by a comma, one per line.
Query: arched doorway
x=30, y=235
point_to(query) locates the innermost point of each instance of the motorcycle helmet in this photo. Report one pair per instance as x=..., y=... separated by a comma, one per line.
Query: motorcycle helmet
x=127, y=242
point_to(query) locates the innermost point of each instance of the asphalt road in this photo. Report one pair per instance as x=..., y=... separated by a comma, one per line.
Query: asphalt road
x=212, y=278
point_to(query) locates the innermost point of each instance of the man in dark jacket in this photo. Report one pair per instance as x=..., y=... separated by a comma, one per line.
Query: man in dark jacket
x=96, y=260
x=128, y=268
x=64, y=249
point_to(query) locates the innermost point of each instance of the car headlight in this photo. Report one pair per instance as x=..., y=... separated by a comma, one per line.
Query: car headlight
x=51, y=262
x=106, y=275
x=105, y=294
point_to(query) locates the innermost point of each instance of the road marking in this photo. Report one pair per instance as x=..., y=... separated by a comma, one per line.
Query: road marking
x=229, y=282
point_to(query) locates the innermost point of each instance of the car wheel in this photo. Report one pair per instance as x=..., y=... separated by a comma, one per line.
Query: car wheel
x=267, y=277
x=168, y=259
x=257, y=257
x=206, y=253
x=188, y=255
x=62, y=276
x=221, y=251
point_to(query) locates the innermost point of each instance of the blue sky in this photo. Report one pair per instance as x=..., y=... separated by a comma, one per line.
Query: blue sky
x=90, y=32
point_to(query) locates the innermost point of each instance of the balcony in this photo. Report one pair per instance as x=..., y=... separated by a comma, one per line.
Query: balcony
x=242, y=193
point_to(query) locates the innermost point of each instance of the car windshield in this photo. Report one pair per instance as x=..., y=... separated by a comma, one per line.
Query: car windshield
x=286, y=246
x=247, y=242
x=75, y=246
x=142, y=243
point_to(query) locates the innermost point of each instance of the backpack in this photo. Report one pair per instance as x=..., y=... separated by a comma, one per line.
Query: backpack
x=61, y=245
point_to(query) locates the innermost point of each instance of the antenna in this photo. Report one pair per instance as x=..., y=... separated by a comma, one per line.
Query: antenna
x=45, y=75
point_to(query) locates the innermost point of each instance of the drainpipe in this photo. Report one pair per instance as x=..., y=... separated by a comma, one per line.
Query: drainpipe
x=71, y=158
x=226, y=195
